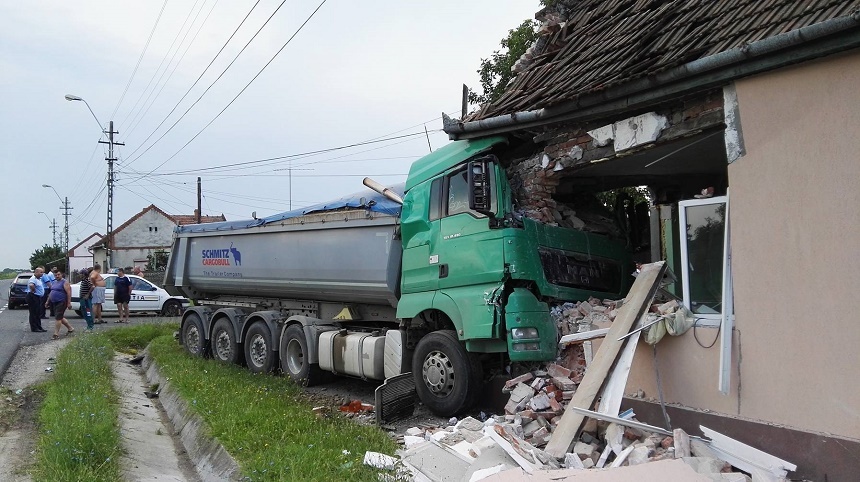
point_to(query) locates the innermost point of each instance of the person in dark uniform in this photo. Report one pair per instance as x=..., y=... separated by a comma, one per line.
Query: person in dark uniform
x=122, y=295
x=35, y=291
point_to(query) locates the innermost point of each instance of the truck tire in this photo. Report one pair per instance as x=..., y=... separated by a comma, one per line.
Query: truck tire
x=193, y=338
x=294, y=358
x=223, y=343
x=447, y=377
x=259, y=353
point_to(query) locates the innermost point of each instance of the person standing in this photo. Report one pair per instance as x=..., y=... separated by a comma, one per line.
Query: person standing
x=98, y=298
x=86, y=298
x=122, y=295
x=137, y=272
x=35, y=291
x=47, y=279
x=61, y=299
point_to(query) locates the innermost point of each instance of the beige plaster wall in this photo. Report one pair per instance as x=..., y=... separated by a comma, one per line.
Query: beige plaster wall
x=795, y=214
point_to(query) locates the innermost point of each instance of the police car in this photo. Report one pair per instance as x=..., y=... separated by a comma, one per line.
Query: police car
x=145, y=297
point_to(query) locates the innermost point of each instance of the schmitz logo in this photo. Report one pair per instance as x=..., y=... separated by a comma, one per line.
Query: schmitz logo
x=221, y=257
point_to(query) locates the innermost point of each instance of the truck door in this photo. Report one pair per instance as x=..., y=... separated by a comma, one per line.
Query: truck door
x=420, y=222
x=469, y=252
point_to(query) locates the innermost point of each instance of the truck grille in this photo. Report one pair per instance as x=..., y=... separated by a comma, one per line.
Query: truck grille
x=581, y=271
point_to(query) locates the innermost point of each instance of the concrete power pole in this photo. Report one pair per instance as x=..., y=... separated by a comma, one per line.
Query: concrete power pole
x=110, y=180
x=54, y=230
x=65, y=240
x=199, y=196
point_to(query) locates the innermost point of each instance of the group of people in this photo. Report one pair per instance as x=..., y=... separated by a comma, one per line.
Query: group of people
x=51, y=291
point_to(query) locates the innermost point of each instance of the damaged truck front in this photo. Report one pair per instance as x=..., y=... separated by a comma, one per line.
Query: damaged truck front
x=458, y=278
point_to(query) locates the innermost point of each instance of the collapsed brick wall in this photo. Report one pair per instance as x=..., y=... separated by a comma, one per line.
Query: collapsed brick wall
x=563, y=149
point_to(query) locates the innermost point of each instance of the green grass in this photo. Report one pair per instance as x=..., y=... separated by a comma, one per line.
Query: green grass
x=135, y=338
x=266, y=423
x=78, y=430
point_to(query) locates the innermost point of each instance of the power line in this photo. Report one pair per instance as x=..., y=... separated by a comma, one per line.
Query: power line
x=145, y=47
x=197, y=80
x=210, y=86
x=176, y=66
x=302, y=26
x=145, y=89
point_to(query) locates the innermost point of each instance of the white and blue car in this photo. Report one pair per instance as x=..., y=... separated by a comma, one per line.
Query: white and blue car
x=145, y=298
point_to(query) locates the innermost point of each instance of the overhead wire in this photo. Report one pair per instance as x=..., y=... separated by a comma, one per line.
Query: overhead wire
x=154, y=74
x=198, y=78
x=139, y=59
x=134, y=126
x=210, y=86
x=302, y=26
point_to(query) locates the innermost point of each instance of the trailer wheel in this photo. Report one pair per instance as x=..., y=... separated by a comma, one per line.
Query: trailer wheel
x=171, y=308
x=192, y=335
x=259, y=353
x=224, y=345
x=294, y=358
x=447, y=377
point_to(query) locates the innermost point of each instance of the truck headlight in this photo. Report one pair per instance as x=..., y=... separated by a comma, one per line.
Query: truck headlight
x=526, y=346
x=520, y=333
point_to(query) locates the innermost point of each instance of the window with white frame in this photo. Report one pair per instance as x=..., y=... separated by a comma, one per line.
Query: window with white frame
x=703, y=256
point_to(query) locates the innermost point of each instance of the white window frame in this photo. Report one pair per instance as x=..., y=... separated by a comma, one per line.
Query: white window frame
x=703, y=319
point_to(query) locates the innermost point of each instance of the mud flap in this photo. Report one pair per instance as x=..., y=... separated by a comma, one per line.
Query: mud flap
x=395, y=398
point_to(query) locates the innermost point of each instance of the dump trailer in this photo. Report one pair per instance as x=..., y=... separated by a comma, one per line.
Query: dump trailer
x=439, y=277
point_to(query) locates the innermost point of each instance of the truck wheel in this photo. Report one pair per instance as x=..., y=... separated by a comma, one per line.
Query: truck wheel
x=171, y=308
x=294, y=358
x=259, y=355
x=224, y=345
x=447, y=377
x=193, y=338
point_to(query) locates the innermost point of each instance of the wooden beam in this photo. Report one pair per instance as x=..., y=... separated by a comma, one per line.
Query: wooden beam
x=613, y=389
x=762, y=466
x=584, y=336
x=620, y=421
x=635, y=304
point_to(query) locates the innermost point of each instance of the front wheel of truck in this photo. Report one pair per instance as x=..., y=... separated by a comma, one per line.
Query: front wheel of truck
x=259, y=352
x=447, y=377
x=192, y=335
x=294, y=358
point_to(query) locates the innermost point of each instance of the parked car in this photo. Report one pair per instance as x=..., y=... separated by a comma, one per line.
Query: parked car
x=18, y=290
x=145, y=298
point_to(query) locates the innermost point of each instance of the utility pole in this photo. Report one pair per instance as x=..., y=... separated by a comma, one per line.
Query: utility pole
x=110, y=180
x=199, y=197
x=66, y=208
x=54, y=230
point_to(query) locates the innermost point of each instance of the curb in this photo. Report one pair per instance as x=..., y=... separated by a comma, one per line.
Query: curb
x=211, y=461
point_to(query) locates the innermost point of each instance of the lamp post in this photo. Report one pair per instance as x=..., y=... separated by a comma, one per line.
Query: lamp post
x=53, y=226
x=110, y=180
x=66, y=208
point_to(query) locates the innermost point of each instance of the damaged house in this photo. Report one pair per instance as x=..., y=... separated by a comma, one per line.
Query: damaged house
x=718, y=137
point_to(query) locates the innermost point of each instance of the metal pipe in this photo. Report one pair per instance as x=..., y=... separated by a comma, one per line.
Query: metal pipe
x=723, y=59
x=382, y=190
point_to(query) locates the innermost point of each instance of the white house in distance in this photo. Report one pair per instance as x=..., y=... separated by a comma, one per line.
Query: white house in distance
x=146, y=233
x=80, y=255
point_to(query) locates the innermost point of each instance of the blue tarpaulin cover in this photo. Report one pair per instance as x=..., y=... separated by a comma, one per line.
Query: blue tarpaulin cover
x=367, y=199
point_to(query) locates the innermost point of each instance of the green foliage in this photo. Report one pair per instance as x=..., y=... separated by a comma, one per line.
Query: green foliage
x=78, y=424
x=495, y=71
x=266, y=423
x=616, y=198
x=156, y=261
x=8, y=273
x=135, y=338
x=48, y=256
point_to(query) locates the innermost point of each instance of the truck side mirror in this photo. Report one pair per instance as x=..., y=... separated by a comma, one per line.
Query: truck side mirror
x=479, y=185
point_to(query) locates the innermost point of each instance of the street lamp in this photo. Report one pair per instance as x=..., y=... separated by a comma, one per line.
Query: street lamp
x=53, y=226
x=66, y=210
x=110, y=159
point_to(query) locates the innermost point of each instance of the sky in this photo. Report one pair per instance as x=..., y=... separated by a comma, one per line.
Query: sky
x=373, y=72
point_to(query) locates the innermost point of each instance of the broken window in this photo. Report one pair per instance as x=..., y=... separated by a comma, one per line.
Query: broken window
x=703, y=257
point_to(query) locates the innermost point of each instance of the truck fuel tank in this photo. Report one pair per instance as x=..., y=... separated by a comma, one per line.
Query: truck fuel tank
x=358, y=354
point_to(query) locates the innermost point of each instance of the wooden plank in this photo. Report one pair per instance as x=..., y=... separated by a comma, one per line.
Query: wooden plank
x=620, y=421
x=613, y=390
x=512, y=451
x=580, y=337
x=636, y=303
x=622, y=457
x=682, y=443
x=761, y=465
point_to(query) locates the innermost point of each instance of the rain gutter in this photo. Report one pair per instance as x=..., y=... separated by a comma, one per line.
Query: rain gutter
x=706, y=72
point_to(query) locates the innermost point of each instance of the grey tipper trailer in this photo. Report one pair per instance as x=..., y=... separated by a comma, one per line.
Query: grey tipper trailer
x=316, y=289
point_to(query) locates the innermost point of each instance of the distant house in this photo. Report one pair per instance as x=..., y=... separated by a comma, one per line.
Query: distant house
x=146, y=233
x=80, y=255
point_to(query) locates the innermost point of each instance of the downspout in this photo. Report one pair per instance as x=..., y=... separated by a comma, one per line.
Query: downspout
x=748, y=51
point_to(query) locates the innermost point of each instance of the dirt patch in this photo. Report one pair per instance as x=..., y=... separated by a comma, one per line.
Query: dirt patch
x=33, y=364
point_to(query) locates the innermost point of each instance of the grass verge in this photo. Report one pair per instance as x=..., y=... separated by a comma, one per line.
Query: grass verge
x=266, y=424
x=78, y=430
x=132, y=339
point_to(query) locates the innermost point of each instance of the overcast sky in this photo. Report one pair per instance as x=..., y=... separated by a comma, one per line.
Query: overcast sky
x=357, y=71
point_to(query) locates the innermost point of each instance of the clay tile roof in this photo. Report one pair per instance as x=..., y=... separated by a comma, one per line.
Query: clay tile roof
x=608, y=42
x=183, y=219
